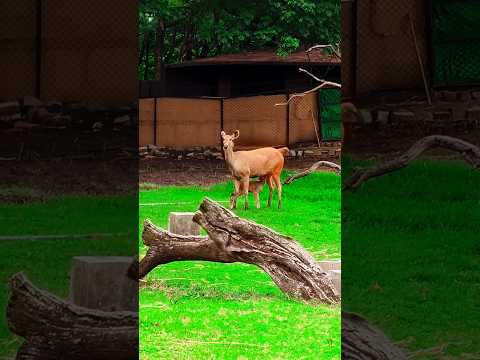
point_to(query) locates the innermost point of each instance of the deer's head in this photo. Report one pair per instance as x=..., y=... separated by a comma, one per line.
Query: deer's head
x=227, y=140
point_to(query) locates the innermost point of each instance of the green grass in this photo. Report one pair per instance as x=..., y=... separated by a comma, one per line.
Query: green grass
x=411, y=255
x=47, y=262
x=201, y=310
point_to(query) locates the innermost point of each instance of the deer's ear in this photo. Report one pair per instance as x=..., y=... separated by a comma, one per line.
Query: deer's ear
x=222, y=134
x=236, y=134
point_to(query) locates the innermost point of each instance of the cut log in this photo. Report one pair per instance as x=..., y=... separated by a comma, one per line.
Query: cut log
x=311, y=169
x=232, y=239
x=55, y=329
x=470, y=153
x=361, y=341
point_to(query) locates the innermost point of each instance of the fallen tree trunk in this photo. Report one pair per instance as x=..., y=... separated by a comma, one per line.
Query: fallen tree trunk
x=55, y=329
x=361, y=341
x=311, y=169
x=470, y=153
x=232, y=239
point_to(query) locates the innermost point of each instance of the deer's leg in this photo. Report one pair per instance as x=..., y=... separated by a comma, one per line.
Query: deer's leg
x=257, y=199
x=235, y=194
x=279, y=189
x=271, y=186
x=244, y=189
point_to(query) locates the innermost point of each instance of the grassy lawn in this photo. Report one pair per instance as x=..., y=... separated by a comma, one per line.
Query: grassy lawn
x=411, y=255
x=47, y=262
x=201, y=310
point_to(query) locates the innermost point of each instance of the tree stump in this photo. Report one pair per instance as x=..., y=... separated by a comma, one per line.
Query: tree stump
x=101, y=282
x=182, y=223
x=56, y=330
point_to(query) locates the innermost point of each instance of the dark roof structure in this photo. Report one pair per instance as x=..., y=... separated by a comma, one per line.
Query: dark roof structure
x=264, y=57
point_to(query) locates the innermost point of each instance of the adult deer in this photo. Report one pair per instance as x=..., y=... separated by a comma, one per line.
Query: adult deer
x=265, y=162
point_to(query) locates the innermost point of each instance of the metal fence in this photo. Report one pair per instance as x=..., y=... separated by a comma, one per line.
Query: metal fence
x=190, y=122
x=69, y=50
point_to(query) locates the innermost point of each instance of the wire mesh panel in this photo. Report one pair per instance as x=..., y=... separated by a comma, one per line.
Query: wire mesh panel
x=303, y=119
x=87, y=55
x=17, y=48
x=183, y=122
x=456, y=41
x=330, y=114
x=386, y=55
x=146, y=121
x=260, y=122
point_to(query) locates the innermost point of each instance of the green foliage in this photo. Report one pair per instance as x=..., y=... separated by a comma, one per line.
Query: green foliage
x=201, y=28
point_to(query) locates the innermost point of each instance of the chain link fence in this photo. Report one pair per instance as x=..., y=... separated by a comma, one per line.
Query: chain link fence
x=69, y=78
x=263, y=120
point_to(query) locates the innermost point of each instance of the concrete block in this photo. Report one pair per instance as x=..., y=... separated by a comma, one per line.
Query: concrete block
x=336, y=276
x=382, y=116
x=101, y=282
x=328, y=265
x=181, y=223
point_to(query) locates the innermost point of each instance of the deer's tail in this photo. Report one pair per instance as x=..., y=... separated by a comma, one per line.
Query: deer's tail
x=284, y=151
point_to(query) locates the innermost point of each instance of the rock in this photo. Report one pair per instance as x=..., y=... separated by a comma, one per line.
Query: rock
x=292, y=153
x=181, y=223
x=179, y=157
x=30, y=101
x=122, y=120
x=476, y=95
x=24, y=125
x=449, y=95
x=366, y=115
x=101, y=283
x=383, y=116
x=54, y=107
x=97, y=126
x=308, y=153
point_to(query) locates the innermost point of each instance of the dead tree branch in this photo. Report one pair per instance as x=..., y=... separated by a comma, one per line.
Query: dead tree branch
x=323, y=83
x=361, y=341
x=311, y=169
x=55, y=329
x=470, y=153
x=232, y=239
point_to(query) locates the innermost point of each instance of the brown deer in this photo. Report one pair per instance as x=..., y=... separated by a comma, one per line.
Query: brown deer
x=265, y=162
x=255, y=187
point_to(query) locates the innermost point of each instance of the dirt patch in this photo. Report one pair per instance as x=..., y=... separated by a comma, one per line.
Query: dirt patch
x=199, y=172
x=25, y=181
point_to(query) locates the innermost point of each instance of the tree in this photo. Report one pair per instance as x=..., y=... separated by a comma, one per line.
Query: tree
x=172, y=31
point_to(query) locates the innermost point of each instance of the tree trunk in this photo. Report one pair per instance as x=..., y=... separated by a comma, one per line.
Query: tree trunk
x=55, y=329
x=361, y=341
x=311, y=169
x=159, y=52
x=470, y=153
x=232, y=239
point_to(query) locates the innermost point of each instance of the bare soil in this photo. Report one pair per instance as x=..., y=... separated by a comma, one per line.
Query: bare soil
x=199, y=172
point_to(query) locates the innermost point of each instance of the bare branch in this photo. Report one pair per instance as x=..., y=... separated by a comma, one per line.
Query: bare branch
x=311, y=169
x=470, y=153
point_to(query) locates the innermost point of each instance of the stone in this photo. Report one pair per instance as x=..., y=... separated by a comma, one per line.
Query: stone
x=476, y=95
x=336, y=277
x=122, y=120
x=101, y=282
x=181, y=223
x=449, y=95
x=30, y=101
x=382, y=116
x=328, y=265
x=366, y=116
